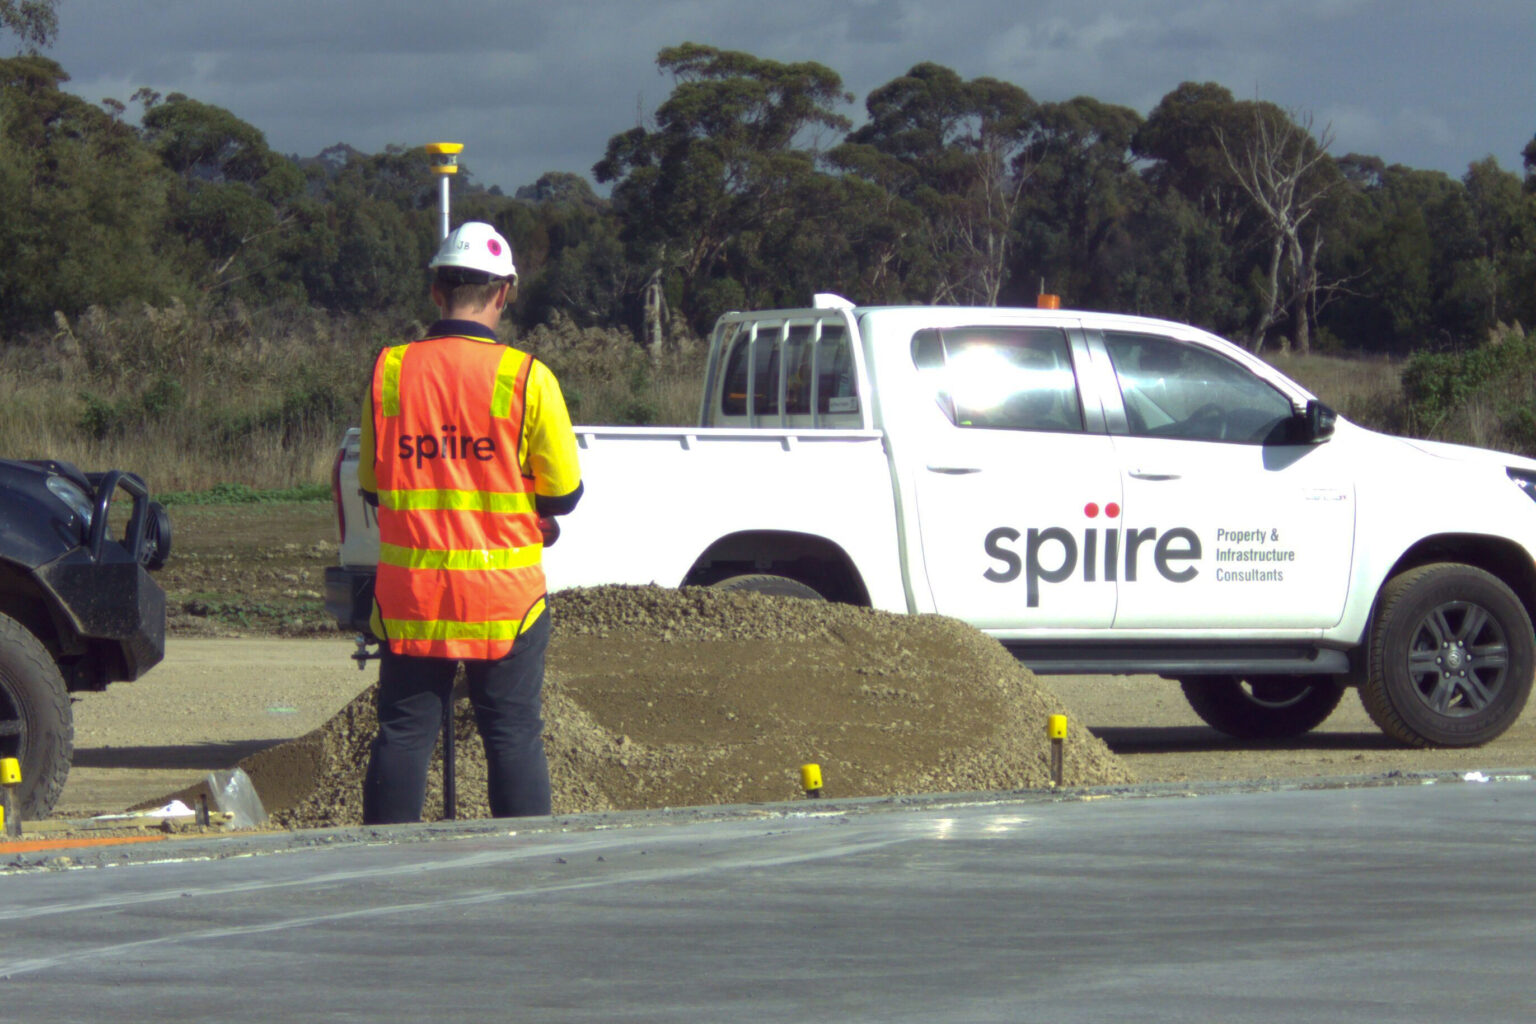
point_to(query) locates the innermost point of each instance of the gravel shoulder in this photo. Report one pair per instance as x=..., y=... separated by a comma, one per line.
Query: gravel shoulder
x=1146, y=722
x=252, y=663
x=212, y=702
x=215, y=701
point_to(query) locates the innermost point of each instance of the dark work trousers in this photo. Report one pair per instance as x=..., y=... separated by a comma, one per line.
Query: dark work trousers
x=505, y=694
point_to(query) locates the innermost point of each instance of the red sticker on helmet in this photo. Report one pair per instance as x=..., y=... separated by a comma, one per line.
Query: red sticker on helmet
x=494, y=246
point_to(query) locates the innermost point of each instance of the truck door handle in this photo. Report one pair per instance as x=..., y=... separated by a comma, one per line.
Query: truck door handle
x=1147, y=474
x=954, y=470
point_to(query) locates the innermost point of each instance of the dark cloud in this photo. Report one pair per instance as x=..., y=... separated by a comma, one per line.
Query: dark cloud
x=531, y=87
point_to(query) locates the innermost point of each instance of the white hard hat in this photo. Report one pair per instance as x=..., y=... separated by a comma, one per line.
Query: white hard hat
x=475, y=245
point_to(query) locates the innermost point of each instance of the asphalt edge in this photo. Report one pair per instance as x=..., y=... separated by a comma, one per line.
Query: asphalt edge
x=247, y=843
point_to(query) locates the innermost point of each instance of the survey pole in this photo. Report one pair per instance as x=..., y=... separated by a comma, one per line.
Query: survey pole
x=444, y=158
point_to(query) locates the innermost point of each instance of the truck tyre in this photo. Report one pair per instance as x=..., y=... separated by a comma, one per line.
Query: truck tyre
x=1451, y=657
x=1262, y=707
x=36, y=726
x=776, y=586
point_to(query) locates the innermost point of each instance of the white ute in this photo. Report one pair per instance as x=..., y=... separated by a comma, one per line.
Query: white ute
x=1101, y=493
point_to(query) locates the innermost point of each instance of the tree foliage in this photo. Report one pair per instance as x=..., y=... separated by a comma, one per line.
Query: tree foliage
x=721, y=182
x=237, y=195
x=956, y=154
x=749, y=185
x=85, y=211
x=34, y=22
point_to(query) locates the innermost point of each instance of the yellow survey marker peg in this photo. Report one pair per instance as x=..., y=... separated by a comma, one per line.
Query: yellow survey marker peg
x=1056, y=729
x=10, y=778
x=810, y=779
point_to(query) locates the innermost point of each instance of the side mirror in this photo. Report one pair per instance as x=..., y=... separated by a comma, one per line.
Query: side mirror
x=1317, y=422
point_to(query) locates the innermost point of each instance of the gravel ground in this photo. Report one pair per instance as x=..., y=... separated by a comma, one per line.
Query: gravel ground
x=655, y=698
x=626, y=700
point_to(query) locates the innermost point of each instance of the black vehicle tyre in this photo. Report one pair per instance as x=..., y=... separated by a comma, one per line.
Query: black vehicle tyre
x=36, y=726
x=1262, y=707
x=763, y=583
x=1452, y=657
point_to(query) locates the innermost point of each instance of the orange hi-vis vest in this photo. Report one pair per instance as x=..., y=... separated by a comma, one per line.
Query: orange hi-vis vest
x=459, y=544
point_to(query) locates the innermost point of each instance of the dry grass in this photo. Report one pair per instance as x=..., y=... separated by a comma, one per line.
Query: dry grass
x=1484, y=396
x=189, y=398
x=1367, y=390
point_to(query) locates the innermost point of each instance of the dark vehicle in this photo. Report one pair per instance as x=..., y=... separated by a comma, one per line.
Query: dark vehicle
x=78, y=608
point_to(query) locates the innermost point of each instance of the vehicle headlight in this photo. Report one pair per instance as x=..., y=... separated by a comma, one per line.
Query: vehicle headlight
x=74, y=496
x=1524, y=479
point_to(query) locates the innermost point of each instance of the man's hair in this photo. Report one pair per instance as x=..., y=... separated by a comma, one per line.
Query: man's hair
x=473, y=289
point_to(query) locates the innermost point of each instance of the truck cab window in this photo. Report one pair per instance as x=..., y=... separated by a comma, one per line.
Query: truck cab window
x=819, y=371
x=1178, y=390
x=1001, y=378
x=837, y=390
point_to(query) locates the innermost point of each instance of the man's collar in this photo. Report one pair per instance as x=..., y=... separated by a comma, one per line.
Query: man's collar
x=461, y=329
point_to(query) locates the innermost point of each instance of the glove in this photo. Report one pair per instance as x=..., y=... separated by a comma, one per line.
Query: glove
x=549, y=526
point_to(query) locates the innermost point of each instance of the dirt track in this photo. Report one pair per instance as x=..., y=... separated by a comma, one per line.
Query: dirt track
x=216, y=701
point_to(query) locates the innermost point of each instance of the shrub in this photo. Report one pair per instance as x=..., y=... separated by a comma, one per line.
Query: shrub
x=609, y=378
x=1485, y=396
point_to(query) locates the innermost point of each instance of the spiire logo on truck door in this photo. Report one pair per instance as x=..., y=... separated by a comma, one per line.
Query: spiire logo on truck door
x=1053, y=554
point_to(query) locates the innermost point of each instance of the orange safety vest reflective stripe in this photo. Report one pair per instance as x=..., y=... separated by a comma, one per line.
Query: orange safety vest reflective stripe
x=459, y=543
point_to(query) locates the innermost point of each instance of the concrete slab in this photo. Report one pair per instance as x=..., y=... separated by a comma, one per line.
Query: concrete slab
x=1403, y=903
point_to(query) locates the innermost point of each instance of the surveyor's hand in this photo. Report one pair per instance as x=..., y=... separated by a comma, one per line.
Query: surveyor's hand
x=549, y=526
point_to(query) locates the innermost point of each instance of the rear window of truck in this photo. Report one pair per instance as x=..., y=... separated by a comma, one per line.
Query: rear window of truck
x=814, y=373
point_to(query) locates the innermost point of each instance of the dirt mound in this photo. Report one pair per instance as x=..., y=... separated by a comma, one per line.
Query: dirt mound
x=667, y=698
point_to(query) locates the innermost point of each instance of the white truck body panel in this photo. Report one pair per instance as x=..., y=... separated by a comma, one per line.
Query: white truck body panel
x=1096, y=531
x=637, y=523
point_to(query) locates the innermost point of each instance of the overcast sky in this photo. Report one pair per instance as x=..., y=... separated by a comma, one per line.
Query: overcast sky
x=533, y=87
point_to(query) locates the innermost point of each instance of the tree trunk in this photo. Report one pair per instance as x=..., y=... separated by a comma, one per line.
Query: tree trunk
x=1271, y=297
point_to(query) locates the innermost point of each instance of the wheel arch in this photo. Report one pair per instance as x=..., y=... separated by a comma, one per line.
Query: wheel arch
x=85, y=664
x=1498, y=556
x=1501, y=558
x=816, y=561
x=27, y=601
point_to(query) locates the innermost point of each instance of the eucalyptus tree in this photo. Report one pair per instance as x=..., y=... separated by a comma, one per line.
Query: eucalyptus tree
x=1287, y=176
x=1074, y=220
x=237, y=199
x=366, y=227
x=1500, y=279
x=1179, y=141
x=584, y=271
x=1406, y=241
x=724, y=173
x=34, y=22
x=1261, y=178
x=1199, y=203
x=958, y=152
x=83, y=216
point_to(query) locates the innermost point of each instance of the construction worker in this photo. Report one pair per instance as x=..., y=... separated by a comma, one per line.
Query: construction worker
x=468, y=453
